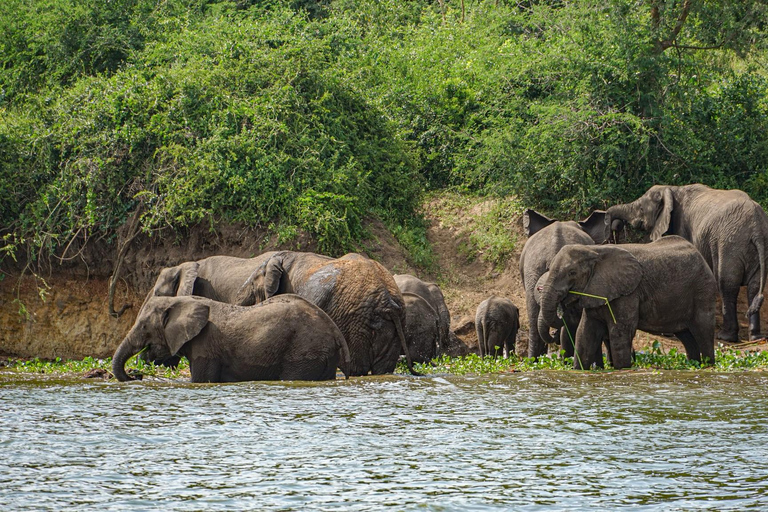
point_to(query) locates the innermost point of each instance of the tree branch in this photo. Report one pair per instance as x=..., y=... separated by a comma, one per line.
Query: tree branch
x=663, y=44
x=133, y=232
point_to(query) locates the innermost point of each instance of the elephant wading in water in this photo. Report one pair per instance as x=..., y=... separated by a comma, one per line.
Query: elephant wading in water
x=545, y=238
x=728, y=228
x=358, y=293
x=219, y=278
x=284, y=338
x=422, y=328
x=448, y=342
x=497, y=321
x=661, y=287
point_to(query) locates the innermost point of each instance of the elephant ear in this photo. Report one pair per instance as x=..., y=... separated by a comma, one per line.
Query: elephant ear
x=665, y=215
x=594, y=226
x=533, y=222
x=272, y=275
x=246, y=295
x=615, y=273
x=167, y=282
x=187, y=278
x=183, y=321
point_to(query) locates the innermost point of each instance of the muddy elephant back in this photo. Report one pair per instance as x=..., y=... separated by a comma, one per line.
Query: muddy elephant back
x=364, y=303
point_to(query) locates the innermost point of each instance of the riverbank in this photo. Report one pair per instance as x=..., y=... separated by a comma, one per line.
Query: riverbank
x=62, y=312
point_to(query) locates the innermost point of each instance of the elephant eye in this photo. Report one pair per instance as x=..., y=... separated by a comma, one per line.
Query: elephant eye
x=572, y=272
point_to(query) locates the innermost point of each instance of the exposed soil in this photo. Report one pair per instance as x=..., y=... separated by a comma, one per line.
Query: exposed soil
x=64, y=313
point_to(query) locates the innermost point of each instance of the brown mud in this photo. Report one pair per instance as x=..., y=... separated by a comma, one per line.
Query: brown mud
x=61, y=310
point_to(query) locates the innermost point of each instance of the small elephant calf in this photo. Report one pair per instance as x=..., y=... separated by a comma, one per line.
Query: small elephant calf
x=283, y=338
x=497, y=321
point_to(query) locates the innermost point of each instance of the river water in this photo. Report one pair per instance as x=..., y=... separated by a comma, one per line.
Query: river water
x=524, y=441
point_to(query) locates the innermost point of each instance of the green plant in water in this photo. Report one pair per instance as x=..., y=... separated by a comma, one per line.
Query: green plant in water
x=58, y=366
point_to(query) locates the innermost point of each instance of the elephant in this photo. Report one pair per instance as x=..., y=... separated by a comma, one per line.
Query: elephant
x=358, y=293
x=660, y=287
x=497, y=321
x=284, y=338
x=422, y=328
x=545, y=238
x=218, y=277
x=448, y=343
x=728, y=228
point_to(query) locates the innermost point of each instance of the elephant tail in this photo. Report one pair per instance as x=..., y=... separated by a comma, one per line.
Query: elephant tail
x=480, y=330
x=757, y=302
x=342, y=341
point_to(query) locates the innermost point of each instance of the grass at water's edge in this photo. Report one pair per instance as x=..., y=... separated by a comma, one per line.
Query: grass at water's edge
x=726, y=359
x=96, y=368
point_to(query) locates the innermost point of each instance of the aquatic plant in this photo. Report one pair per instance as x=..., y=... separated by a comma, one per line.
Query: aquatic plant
x=726, y=359
x=89, y=365
x=655, y=358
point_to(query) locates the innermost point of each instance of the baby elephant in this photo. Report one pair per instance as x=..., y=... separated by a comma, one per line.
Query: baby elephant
x=283, y=338
x=497, y=321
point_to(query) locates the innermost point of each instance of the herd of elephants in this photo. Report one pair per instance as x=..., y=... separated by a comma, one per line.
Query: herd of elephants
x=286, y=315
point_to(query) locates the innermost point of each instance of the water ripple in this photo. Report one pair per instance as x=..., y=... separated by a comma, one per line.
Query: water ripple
x=536, y=441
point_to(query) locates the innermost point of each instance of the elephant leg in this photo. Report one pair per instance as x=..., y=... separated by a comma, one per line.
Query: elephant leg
x=753, y=289
x=316, y=370
x=568, y=331
x=536, y=345
x=494, y=343
x=702, y=330
x=607, y=343
x=509, y=343
x=730, y=329
x=690, y=344
x=620, y=336
x=589, y=335
x=204, y=370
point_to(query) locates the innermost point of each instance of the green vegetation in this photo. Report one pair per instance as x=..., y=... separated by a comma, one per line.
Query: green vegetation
x=311, y=115
x=727, y=359
x=485, y=226
x=102, y=366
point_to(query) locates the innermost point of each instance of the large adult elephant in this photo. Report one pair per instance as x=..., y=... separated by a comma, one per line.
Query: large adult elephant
x=358, y=293
x=220, y=278
x=661, y=287
x=448, y=342
x=284, y=338
x=728, y=228
x=545, y=238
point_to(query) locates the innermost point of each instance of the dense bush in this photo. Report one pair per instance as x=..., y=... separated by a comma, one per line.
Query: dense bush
x=312, y=115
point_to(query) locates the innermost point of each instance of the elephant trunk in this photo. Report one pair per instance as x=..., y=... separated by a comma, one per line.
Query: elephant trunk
x=550, y=299
x=127, y=349
x=401, y=335
x=543, y=326
x=616, y=217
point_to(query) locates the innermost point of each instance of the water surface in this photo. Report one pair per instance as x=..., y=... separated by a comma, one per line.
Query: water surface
x=524, y=441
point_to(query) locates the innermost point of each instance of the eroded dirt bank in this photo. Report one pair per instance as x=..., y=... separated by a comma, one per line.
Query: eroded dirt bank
x=71, y=319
